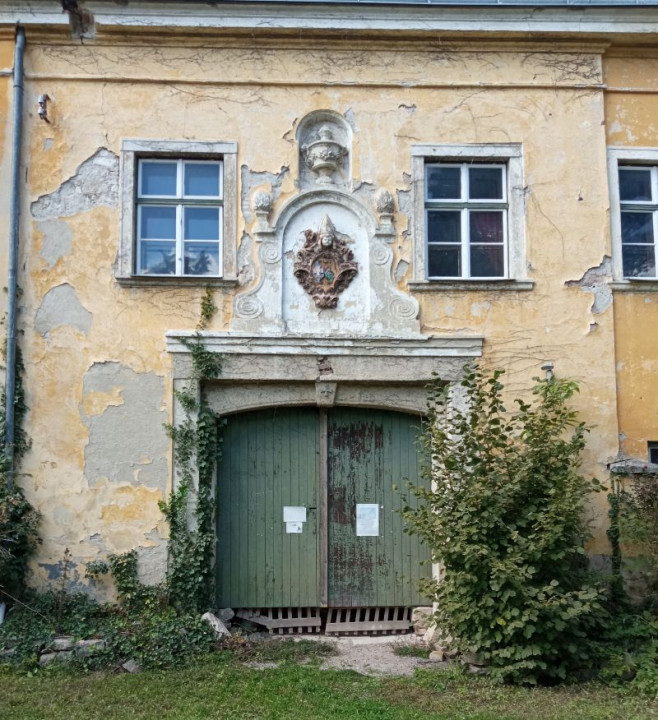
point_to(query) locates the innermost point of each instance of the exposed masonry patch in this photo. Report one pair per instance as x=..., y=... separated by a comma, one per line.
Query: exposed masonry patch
x=401, y=270
x=96, y=182
x=246, y=272
x=595, y=281
x=250, y=180
x=57, y=241
x=60, y=306
x=127, y=443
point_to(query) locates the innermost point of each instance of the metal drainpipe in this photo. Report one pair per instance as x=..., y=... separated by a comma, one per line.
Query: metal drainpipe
x=14, y=213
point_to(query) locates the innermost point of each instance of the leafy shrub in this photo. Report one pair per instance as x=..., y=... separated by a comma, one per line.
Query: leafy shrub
x=19, y=521
x=504, y=517
x=638, y=525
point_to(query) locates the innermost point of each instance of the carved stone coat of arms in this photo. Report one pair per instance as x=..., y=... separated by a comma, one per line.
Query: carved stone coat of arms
x=325, y=265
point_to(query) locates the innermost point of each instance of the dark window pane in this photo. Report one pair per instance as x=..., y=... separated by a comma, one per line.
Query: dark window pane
x=158, y=178
x=444, y=261
x=157, y=258
x=639, y=261
x=201, y=179
x=485, y=183
x=637, y=227
x=201, y=223
x=487, y=261
x=444, y=226
x=158, y=222
x=486, y=226
x=201, y=259
x=635, y=184
x=443, y=182
x=653, y=453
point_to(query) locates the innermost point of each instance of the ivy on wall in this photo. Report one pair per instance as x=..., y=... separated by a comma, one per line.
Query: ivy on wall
x=19, y=521
x=190, y=508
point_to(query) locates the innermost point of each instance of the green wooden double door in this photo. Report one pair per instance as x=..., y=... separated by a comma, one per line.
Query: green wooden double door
x=307, y=514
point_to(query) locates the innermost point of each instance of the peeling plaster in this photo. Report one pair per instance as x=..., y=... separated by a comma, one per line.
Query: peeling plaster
x=127, y=443
x=365, y=191
x=404, y=201
x=96, y=182
x=57, y=241
x=249, y=180
x=401, y=270
x=60, y=306
x=246, y=270
x=595, y=281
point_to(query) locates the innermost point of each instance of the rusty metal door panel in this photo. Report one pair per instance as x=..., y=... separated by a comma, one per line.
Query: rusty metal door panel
x=270, y=459
x=368, y=452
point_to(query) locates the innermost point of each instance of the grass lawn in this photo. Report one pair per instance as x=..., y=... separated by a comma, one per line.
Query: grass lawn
x=221, y=687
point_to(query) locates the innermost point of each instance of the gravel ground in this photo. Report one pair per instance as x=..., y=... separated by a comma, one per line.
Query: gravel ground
x=374, y=655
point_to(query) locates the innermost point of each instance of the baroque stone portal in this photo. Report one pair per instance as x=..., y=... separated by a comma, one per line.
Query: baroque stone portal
x=325, y=265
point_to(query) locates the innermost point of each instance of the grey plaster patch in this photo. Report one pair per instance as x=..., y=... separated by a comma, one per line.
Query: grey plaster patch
x=60, y=306
x=152, y=563
x=350, y=118
x=401, y=270
x=57, y=241
x=96, y=182
x=127, y=442
x=365, y=191
x=250, y=179
x=595, y=281
x=404, y=202
x=246, y=270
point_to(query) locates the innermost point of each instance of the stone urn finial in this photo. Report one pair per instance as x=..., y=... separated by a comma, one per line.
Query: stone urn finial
x=324, y=156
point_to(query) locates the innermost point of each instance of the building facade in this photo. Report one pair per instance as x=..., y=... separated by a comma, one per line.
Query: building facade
x=372, y=193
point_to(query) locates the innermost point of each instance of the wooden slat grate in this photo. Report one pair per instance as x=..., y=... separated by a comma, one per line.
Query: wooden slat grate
x=334, y=621
x=368, y=621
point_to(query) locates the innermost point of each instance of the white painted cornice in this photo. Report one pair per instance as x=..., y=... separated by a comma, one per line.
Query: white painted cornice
x=612, y=21
x=430, y=20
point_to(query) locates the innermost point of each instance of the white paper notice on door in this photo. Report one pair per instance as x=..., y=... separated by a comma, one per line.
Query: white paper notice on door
x=367, y=520
x=294, y=528
x=294, y=514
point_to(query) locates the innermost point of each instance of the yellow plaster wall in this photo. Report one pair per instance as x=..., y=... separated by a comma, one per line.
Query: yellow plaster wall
x=631, y=107
x=393, y=96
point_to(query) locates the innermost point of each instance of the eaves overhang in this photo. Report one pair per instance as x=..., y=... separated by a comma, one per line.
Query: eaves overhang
x=605, y=19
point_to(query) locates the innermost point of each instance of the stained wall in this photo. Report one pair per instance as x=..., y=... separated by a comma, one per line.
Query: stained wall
x=98, y=376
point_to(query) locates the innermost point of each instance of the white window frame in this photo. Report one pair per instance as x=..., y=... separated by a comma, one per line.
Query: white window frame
x=134, y=150
x=511, y=156
x=628, y=157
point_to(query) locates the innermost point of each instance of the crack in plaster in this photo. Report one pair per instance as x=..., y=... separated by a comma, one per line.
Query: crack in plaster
x=595, y=280
x=60, y=306
x=95, y=182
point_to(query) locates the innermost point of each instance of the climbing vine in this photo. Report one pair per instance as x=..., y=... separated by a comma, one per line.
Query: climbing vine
x=189, y=510
x=19, y=521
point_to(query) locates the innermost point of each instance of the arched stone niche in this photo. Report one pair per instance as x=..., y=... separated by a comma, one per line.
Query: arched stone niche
x=324, y=141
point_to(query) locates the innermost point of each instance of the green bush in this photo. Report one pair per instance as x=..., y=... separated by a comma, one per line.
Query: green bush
x=19, y=521
x=504, y=518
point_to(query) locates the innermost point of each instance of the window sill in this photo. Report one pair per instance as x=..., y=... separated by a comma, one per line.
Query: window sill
x=174, y=281
x=471, y=285
x=635, y=285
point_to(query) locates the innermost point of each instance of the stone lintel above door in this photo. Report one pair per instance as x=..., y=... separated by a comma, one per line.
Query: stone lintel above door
x=309, y=359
